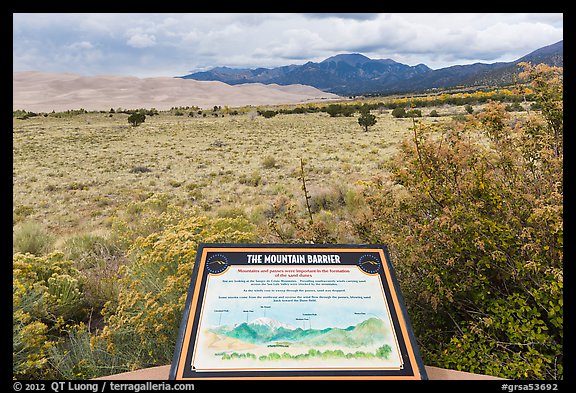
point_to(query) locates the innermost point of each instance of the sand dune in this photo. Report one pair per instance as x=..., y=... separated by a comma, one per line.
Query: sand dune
x=44, y=92
x=218, y=342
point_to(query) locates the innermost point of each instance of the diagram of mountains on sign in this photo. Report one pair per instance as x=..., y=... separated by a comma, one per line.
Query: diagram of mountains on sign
x=273, y=344
x=266, y=330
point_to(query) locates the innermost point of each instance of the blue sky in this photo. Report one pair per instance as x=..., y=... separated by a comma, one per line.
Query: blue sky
x=163, y=44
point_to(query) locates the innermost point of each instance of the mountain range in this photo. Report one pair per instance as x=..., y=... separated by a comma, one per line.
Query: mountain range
x=270, y=331
x=355, y=74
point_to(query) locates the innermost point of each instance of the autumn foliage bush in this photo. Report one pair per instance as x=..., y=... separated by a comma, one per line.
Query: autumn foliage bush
x=473, y=213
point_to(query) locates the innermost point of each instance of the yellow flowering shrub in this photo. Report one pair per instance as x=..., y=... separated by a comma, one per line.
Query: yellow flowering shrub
x=144, y=322
x=46, y=292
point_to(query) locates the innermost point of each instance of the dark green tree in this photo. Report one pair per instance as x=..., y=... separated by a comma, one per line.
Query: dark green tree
x=136, y=119
x=366, y=120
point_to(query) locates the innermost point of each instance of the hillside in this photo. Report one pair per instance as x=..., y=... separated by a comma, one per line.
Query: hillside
x=352, y=74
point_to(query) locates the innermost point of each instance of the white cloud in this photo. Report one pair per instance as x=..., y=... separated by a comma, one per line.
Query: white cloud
x=81, y=45
x=141, y=40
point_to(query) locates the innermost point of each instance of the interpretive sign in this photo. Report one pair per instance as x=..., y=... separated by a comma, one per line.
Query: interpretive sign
x=261, y=311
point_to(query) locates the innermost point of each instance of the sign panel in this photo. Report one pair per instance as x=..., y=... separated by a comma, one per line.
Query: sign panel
x=261, y=311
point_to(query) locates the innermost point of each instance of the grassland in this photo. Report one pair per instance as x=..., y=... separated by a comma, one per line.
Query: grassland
x=71, y=174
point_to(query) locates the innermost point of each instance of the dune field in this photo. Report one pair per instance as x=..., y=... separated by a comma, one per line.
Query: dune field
x=47, y=92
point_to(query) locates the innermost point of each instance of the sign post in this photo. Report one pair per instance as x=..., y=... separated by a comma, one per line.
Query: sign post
x=261, y=311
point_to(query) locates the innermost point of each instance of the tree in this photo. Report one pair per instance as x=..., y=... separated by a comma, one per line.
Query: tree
x=366, y=120
x=136, y=119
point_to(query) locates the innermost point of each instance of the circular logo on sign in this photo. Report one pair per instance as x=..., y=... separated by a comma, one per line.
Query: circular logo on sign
x=369, y=263
x=217, y=263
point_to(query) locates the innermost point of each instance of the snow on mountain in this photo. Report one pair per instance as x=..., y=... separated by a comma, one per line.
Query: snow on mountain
x=269, y=322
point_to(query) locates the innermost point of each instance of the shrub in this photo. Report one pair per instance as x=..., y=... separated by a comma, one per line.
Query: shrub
x=144, y=322
x=335, y=110
x=98, y=257
x=253, y=180
x=140, y=169
x=31, y=237
x=46, y=293
x=80, y=357
x=269, y=162
x=414, y=113
x=30, y=346
x=399, y=112
x=20, y=212
x=327, y=199
x=473, y=215
x=267, y=113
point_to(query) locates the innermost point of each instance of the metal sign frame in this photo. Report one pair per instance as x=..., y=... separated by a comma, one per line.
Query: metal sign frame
x=349, y=293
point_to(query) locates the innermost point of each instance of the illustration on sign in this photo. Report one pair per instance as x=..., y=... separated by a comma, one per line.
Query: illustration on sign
x=294, y=311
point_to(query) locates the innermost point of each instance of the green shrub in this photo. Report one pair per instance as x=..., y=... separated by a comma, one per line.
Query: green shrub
x=414, y=113
x=81, y=357
x=89, y=250
x=230, y=212
x=267, y=113
x=253, y=180
x=335, y=110
x=399, y=112
x=20, y=213
x=31, y=237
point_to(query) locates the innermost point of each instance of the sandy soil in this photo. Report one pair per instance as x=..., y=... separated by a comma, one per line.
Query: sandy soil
x=44, y=92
